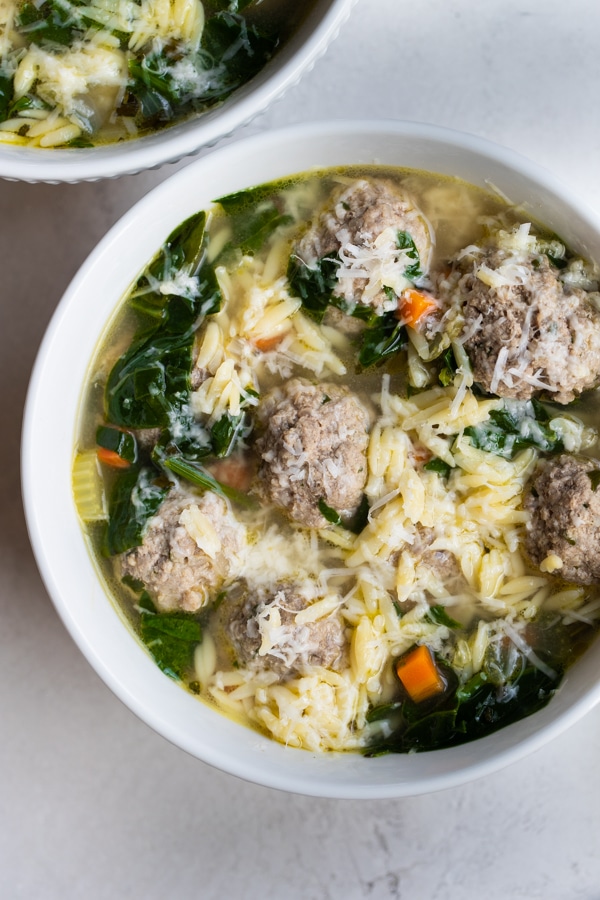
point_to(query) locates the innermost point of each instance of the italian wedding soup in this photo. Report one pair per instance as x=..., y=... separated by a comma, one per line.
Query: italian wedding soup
x=337, y=460
x=75, y=73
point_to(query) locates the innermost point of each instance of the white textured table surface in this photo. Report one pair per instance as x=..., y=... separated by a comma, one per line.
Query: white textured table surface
x=95, y=805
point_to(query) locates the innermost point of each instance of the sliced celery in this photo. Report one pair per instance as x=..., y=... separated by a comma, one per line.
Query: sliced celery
x=88, y=490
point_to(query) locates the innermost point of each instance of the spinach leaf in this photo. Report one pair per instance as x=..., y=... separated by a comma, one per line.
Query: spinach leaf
x=330, y=514
x=185, y=247
x=438, y=465
x=184, y=436
x=252, y=225
x=448, y=370
x=27, y=101
x=385, y=711
x=474, y=710
x=438, y=615
x=170, y=637
x=359, y=520
x=313, y=284
x=594, y=477
x=80, y=142
x=151, y=84
x=241, y=49
x=149, y=386
x=404, y=241
x=123, y=443
x=150, y=382
x=226, y=433
x=515, y=426
x=384, y=338
x=48, y=23
x=559, y=262
x=6, y=93
x=134, y=499
x=232, y=6
x=355, y=523
x=183, y=251
x=240, y=202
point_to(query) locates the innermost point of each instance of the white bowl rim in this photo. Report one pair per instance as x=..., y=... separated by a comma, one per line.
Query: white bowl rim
x=495, y=760
x=190, y=137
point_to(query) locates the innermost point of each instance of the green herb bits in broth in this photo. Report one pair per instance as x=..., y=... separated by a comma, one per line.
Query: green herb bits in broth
x=77, y=74
x=338, y=465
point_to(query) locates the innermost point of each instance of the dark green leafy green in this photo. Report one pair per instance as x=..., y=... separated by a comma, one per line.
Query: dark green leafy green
x=149, y=386
x=404, y=241
x=449, y=367
x=254, y=215
x=438, y=465
x=48, y=23
x=27, y=101
x=330, y=514
x=6, y=93
x=232, y=6
x=184, y=251
x=385, y=711
x=355, y=523
x=151, y=83
x=476, y=709
x=383, y=335
x=227, y=432
x=314, y=284
x=231, y=53
x=559, y=262
x=594, y=477
x=240, y=49
x=438, y=615
x=151, y=381
x=135, y=497
x=170, y=637
x=359, y=520
x=514, y=427
x=123, y=443
x=80, y=142
x=380, y=340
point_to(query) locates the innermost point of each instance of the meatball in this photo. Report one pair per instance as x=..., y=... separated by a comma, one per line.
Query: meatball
x=266, y=636
x=565, y=517
x=313, y=448
x=442, y=562
x=360, y=223
x=530, y=333
x=187, y=551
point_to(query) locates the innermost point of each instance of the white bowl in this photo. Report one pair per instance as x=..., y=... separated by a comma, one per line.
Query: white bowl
x=297, y=56
x=49, y=435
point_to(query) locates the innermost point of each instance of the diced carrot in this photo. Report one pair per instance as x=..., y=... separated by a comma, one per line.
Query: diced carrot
x=110, y=458
x=419, y=674
x=413, y=305
x=268, y=343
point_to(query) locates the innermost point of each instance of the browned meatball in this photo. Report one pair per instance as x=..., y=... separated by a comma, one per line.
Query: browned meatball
x=531, y=334
x=170, y=562
x=354, y=217
x=564, y=504
x=313, y=447
x=265, y=635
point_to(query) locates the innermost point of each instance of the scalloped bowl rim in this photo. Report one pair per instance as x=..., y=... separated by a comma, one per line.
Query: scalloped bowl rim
x=61, y=366
x=298, y=56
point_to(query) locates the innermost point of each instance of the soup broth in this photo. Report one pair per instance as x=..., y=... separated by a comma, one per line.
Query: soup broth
x=76, y=74
x=315, y=505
